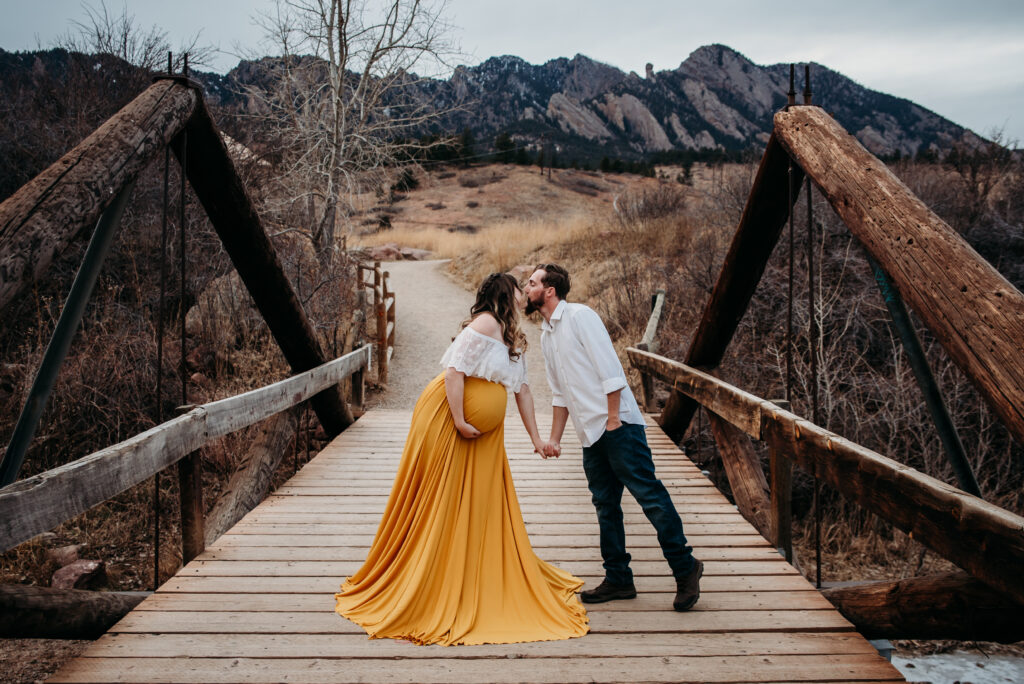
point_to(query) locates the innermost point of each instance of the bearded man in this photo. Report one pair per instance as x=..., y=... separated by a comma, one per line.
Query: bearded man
x=589, y=385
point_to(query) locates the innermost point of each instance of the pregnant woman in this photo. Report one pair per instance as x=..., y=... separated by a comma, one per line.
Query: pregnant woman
x=451, y=562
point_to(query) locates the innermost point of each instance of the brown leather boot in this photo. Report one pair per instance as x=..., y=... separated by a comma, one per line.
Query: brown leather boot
x=606, y=591
x=688, y=588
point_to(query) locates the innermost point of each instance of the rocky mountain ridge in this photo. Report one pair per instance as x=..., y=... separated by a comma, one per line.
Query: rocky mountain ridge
x=579, y=108
x=715, y=99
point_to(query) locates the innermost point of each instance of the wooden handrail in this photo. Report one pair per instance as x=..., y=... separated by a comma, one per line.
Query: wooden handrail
x=384, y=311
x=983, y=539
x=41, y=502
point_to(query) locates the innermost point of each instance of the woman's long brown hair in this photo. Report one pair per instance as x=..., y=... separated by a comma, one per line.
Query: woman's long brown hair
x=497, y=296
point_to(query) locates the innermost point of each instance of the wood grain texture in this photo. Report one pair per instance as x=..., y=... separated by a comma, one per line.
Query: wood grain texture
x=947, y=606
x=764, y=216
x=41, y=502
x=250, y=482
x=743, y=469
x=39, y=220
x=257, y=605
x=983, y=539
x=975, y=313
x=29, y=612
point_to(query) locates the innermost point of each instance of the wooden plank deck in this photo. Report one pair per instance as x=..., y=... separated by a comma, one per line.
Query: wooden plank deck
x=258, y=605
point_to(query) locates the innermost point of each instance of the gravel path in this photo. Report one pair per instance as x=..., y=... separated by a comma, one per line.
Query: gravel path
x=429, y=307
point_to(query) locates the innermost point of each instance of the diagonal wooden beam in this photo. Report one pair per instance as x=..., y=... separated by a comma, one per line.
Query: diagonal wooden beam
x=746, y=477
x=39, y=220
x=763, y=218
x=976, y=314
x=222, y=193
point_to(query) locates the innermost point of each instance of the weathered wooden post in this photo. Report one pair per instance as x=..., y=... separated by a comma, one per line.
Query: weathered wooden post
x=190, y=482
x=379, y=295
x=650, y=343
x=389, y=328
x=781, y=510
x=190, y=492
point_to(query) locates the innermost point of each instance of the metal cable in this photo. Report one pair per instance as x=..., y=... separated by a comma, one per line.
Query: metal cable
x=160, y=354
x=813, y=344
x=789, y=296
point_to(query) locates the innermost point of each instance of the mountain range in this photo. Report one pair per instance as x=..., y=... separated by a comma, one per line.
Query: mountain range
x=715, y=99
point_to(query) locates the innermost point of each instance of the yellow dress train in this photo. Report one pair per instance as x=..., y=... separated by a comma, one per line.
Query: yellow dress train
x=451, y=562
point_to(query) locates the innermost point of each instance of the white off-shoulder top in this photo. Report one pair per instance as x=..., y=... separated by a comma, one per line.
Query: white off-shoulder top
x=482, y=356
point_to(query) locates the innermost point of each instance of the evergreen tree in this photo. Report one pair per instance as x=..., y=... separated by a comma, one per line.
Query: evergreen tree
x=466, y=143
x=505, y=148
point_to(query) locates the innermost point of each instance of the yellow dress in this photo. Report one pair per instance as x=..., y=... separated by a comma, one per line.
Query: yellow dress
x=451, y=562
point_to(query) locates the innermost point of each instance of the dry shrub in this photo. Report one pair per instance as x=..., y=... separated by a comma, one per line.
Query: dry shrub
x=480, y=178
x=635, y=209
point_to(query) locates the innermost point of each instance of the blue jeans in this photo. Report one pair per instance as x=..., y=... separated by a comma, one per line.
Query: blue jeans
x=622, y=458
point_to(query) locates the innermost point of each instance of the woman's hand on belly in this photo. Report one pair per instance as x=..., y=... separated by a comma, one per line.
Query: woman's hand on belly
x=467, y=430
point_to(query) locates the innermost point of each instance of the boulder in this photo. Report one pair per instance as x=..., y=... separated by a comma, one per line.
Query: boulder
x=413, y=254
x=64, y=555
x=80, y=574
x=386, y=252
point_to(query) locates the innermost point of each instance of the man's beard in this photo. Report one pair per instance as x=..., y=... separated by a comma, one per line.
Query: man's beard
x=532, y=306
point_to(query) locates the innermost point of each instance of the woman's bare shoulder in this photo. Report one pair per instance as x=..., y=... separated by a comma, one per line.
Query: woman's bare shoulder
x=486, y=324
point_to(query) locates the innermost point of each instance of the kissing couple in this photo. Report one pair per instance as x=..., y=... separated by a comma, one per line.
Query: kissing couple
x=451, y=562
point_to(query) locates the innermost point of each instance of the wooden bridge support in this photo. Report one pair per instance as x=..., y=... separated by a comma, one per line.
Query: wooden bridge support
x=28, y=612
x=746, y=478
x=760, y=226
x=39, y=220
x=975, y=313
x=948, y=606
x=221, y=192
x=981, y=538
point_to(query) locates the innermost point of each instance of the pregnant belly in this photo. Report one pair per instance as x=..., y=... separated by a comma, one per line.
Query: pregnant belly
x=484, y=403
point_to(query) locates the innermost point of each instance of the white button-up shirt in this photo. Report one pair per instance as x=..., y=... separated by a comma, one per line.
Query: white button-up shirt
x=582, y=368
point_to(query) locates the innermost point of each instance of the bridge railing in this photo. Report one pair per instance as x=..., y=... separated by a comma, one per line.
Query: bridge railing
x=983, y=539
x=376, y=280
x=39, y=503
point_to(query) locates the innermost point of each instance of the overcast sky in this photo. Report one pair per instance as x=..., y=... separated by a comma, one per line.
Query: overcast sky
x=963, y=59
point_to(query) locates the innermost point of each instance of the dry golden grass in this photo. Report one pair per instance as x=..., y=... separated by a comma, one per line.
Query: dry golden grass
x=497, y=247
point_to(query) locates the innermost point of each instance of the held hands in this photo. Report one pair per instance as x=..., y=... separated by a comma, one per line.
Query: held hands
x=467, y=430
x=548, y=449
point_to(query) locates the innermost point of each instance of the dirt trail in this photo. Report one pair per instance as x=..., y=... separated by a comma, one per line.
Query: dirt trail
x=429, y=306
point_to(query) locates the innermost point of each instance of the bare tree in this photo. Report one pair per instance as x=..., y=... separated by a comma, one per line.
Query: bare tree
x=103, y=32
x=342, y=103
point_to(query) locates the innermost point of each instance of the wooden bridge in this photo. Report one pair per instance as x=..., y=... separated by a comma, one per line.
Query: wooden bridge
x=257, y=605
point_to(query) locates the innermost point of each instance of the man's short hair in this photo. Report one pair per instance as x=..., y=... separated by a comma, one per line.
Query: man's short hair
x=557, y=277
